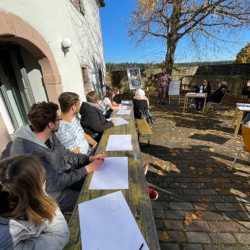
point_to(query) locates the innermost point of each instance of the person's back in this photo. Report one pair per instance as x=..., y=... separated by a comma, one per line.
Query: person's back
x=29, y=217
x=92, y=118
x=218, y=94
x=141, y=106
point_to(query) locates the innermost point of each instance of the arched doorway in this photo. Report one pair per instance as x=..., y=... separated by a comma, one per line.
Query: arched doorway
x=23, y=49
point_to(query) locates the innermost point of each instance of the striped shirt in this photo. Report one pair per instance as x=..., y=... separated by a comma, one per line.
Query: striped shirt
x=71, y=135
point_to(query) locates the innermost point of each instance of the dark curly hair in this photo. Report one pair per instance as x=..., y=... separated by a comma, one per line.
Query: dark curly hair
x=41, y=114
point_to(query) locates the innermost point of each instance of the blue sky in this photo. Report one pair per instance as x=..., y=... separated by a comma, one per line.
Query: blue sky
x=119, y=47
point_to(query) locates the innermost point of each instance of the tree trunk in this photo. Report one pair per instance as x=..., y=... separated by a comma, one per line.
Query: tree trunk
x=172, y=37
x=169, y=58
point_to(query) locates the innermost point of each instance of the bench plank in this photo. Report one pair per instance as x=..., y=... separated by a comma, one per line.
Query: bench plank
x=144, y=130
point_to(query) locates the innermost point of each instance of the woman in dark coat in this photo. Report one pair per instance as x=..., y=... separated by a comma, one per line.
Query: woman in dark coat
x=92, y=119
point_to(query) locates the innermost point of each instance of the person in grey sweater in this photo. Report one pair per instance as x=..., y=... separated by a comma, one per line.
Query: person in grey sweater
x=29, y=217
x=65, y=171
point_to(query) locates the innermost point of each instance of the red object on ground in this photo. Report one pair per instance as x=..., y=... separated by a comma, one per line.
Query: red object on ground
x=152, y=193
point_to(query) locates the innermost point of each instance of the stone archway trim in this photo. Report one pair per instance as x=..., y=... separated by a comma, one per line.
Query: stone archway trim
x=15, y=29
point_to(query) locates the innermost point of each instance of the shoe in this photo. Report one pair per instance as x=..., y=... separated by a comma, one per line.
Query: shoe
x=152, y=193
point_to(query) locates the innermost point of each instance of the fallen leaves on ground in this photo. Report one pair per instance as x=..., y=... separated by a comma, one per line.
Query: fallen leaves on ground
x=191, y=216
x=163, y=236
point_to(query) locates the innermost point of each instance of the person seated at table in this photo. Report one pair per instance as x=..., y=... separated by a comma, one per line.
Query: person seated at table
x=65, y=170
x=217, y=95
x=117, y=96
x=92, y=119
x=141, y=106
x=109, y=99
x=70, y=132
x=29, y=217
x=204, y=87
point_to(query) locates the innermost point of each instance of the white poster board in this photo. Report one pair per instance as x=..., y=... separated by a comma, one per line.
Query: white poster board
x=134, y=78
x=174, y=89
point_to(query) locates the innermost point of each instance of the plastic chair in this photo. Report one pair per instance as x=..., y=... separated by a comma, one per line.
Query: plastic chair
x=246, y=143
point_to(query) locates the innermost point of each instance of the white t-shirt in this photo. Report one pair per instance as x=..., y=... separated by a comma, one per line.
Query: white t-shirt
x=71, y=135
x=107, y=101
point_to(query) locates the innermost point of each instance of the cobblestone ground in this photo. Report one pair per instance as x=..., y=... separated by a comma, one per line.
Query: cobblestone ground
x=203, y=203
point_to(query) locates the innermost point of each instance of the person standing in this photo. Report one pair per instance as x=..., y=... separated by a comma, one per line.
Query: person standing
x=204, y=87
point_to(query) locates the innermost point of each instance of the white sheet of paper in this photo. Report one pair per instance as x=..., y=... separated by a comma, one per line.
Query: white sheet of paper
x=122, y=107
x=119, y=143
x=118, y=121
x=243, y=106
x=107, y=223
x=123, y=112
x=113, y=174
x=125, y=102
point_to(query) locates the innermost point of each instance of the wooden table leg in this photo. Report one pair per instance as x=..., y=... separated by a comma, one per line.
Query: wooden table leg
x=184, y=106
x=238, y=122
x=204, y=105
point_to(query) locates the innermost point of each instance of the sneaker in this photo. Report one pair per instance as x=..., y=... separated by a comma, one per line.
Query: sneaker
x=152, y=193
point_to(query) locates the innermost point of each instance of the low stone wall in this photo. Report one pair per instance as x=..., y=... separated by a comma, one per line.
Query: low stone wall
x=236, y=75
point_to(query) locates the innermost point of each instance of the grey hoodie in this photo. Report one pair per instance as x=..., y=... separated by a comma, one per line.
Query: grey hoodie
x=63, y=168
x=22, y=235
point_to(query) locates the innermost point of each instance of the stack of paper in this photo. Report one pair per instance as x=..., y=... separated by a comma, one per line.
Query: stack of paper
x=113, y=174
x=118, y=121
x=123, y=112
x=119, y=143
x=243, y=106
x=107, y=223
x=125, y=102
x=121, y=107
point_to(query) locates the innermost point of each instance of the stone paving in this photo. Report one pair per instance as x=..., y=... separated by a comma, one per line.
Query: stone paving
x=204, y=203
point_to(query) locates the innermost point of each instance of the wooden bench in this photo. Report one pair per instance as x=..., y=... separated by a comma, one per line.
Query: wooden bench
x=144, y=130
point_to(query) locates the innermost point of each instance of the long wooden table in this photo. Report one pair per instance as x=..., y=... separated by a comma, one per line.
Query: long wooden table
x=136, y=195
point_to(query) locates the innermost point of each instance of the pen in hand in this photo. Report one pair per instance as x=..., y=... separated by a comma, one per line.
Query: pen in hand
x=141, y=246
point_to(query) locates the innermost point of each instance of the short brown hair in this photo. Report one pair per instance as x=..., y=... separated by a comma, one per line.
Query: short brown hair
x=41, y=114
x=21, y=190
x=67, y=100
x=92, y=97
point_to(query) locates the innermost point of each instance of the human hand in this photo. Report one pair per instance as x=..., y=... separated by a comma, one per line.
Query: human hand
x=76, y=150
x=97, y=157
x=93, y=166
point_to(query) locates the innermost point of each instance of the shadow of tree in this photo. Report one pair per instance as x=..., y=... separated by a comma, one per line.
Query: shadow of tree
x=208, y=183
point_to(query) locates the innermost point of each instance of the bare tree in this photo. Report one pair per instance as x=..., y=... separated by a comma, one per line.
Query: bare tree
x=171, y=20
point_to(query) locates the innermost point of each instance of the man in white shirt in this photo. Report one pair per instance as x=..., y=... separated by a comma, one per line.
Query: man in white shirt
x=70, y=132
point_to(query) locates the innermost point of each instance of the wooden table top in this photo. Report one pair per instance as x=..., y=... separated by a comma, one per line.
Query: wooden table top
x=136, y=196
x=194, y=94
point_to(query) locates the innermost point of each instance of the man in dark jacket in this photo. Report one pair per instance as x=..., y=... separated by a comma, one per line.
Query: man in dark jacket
x=65, y=171
x=92, y=119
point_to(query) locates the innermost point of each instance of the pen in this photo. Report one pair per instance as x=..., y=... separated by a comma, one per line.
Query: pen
x=141, y=246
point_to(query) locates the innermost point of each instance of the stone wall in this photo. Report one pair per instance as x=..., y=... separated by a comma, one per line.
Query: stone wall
x=236, y=75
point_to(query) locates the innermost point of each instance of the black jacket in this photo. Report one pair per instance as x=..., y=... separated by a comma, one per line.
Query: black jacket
x=92, y=118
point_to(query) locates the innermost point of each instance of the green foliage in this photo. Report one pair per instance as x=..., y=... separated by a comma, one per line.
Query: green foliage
x=244, y=55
